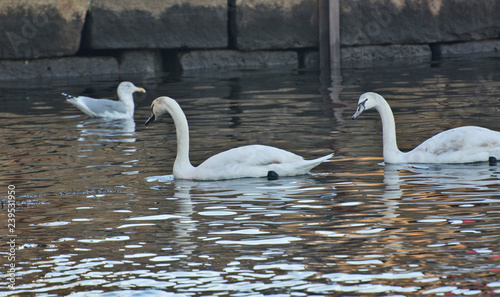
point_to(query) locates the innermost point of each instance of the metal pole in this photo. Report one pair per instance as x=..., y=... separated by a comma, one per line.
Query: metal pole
x=334, y=27
x=324, y=38
x=330, y=12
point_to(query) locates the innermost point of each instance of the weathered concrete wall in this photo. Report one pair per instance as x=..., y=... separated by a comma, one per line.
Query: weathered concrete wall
x=277, y=24
x=57, y=68
x=31, y=29
x=418, y=21
x=150, y=36
x=153, y=24
x=221, y=59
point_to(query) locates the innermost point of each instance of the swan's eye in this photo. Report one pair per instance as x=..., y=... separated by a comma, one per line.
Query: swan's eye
x=362, y=104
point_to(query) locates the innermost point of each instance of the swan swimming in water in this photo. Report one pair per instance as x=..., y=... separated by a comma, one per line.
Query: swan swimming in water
x=245, y=161
x=459, y=145
x=105, y=108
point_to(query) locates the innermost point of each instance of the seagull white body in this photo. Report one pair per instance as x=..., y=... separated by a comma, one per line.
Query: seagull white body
x=240, y=162
x=467, y=144
x=105, y=108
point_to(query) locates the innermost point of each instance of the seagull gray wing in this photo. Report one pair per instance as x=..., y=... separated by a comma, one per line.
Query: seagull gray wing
x=101, y=106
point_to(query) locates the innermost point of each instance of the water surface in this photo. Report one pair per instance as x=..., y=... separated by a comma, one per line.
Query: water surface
x=98, y=212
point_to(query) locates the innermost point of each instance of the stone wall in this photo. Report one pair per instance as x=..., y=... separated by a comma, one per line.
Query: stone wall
x=31, y=29
x=47, y=38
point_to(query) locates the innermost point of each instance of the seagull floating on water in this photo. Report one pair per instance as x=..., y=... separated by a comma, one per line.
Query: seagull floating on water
x=105, y=108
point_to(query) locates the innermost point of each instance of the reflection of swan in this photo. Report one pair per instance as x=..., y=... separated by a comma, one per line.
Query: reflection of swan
x=250, y=188
x=105, y=108
x=185, y=225
x=244, y=189
x=247, y=192
x=458, y=145
x=245, y=161
x=478, y=176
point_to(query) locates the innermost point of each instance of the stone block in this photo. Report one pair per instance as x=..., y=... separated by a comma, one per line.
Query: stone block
x=41, y=28
x=471, y=47
x=57, y=68
x=277, y=24
x=311, y=60
x=373, y=54
x=223, y=59
x=140, y=62
x=154, y=24
x=412, y=22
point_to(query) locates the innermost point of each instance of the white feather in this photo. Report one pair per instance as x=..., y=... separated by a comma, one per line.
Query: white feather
x=459, y=145
x=245, y=161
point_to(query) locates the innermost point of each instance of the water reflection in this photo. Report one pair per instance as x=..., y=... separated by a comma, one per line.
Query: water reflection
x=98, y=139
x=99, y=214
x=246, y=193
x=107, y=129
x=479, y=177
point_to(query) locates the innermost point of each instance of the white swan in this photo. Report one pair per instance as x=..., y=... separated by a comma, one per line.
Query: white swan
x=245, y=161
x=105, y=108
x=459, y=145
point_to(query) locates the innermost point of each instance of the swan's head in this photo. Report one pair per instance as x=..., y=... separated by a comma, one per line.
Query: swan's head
x=367, y=101
x=160, y=106
x=129, y=88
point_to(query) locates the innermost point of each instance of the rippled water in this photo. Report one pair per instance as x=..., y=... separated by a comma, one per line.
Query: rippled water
x=98, y=213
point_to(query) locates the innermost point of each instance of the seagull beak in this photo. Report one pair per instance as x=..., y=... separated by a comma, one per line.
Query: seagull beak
x=140, y=90
x=151, y=119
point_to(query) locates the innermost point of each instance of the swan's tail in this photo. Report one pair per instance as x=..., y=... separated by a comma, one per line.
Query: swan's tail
x=310, y=164
x=322, y=159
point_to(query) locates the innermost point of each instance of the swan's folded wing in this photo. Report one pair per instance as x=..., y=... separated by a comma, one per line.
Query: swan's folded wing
x=460, y=139
x=459, y=145
x=251, y=155
x=254, y=161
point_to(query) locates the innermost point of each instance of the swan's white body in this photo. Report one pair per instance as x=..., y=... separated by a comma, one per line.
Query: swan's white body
x=459, y=145
x=245, y=161
x=105, y=108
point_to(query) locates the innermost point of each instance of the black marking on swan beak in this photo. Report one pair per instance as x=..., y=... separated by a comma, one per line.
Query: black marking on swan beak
x=492, y=161
x=272, y=175
x=359, y=111
x=151, y=119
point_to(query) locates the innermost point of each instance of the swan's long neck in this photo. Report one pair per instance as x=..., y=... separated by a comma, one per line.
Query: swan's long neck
x=391, y=152
x=182, y=162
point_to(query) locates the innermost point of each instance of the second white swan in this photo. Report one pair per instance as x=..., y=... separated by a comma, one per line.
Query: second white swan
x=459, y=145
x=245, y=161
